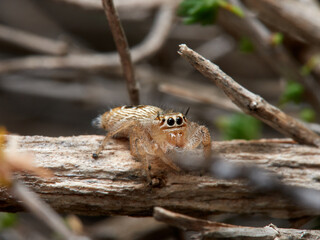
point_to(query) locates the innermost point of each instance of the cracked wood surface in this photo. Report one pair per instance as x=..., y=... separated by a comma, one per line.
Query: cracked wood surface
x=116, y=185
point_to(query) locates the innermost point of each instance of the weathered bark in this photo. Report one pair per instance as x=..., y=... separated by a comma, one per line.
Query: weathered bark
x=116, y=184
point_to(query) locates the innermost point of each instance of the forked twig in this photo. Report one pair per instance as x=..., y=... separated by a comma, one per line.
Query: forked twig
x=249, y=102
x=123, y=49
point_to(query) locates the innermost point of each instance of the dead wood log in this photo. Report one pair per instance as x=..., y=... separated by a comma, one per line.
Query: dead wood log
x=116, y=184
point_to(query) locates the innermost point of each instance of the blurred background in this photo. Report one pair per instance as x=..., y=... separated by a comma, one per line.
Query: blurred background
x=59, y=68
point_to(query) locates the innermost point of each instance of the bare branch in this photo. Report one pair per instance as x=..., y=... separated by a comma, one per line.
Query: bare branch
x=249, y=102
x=150, y=45
x=185, y=222
x=214, y=230
x=116, y=183
x=32, y=42
x=123, y=49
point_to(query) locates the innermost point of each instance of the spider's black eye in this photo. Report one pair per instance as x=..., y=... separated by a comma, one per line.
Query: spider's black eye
x=170, y=121
x=179, y=120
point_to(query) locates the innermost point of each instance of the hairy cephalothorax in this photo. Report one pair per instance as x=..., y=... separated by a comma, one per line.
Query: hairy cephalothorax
x=153, y=132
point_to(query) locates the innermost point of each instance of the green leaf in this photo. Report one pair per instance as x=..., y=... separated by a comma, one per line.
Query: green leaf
x=292, y=93
x=239, y=126
x=204, y=11
x=232, y=8
x=7, y=220
x=310, y=65
x=277, y=38
x=308, y=115
x=245, y=45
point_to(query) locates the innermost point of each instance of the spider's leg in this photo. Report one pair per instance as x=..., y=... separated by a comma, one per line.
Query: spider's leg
x=121, y=127
x=139, y=140
x=158, y=152
x=199, y=135
x=144, y=147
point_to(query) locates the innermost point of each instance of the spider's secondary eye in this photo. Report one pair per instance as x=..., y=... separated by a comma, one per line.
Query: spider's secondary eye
x=179, y=120
x=170, y=121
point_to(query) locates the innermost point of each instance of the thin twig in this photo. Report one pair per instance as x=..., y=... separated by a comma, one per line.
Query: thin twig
x=215, y=48
x=216, y=230
x=249, y=102
x=32, y=42
x=123, y=49
x=158, y=34
x=36, y=206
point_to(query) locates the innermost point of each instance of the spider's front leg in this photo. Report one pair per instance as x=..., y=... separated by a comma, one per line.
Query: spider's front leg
x=144, y=147
x=139, y=141
x=142, y=143
x=121, y=127
x=197, y=135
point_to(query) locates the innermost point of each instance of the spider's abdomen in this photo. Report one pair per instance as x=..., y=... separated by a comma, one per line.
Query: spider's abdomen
x=121, y=115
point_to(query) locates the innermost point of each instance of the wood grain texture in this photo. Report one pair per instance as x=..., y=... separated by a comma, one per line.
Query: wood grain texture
x=115, y=183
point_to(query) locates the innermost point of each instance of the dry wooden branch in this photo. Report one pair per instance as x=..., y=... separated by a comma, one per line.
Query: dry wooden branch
x=123, y=50
x=249, y=102
x=300, y=19
x=150, y=45
x=214, y=230
x=116, y=184
x=33, y=42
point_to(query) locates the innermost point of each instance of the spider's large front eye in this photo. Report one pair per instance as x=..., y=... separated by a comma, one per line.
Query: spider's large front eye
x=170, y=121
x=179, y=120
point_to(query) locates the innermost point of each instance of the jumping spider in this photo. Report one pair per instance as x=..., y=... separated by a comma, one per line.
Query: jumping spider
x=153, y=132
